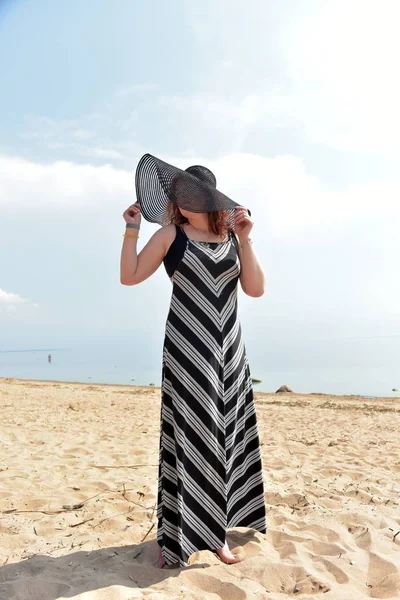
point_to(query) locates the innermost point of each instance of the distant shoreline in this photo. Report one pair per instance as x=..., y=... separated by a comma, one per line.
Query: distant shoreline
x=286, y=395
x=34, y=350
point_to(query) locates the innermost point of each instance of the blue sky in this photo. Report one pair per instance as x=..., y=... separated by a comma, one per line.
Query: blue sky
x=294, y=106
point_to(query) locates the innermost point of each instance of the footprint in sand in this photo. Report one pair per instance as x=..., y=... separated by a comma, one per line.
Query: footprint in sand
x=290, y=579
x=382, y=574
x=361, y=536
x=221, y=589
x=320, y=532
x=325, y=549
x=333, y=569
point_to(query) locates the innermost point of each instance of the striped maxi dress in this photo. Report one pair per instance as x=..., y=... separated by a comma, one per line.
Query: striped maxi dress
x=210, y=467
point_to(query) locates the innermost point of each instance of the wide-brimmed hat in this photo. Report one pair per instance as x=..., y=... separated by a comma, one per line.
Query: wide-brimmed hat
x=193, y=189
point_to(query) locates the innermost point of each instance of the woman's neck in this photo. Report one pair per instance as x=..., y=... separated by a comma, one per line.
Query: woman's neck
x=202, y=234
x=200, y=224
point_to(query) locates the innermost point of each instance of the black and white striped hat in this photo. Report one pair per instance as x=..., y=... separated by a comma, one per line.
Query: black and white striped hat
x=193, y=189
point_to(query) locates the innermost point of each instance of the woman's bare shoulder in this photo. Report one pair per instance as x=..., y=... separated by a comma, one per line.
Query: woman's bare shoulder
x=167, y=233
x=170, y=227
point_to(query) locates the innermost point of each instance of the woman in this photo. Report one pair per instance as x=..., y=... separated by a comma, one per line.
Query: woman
x=210, y=470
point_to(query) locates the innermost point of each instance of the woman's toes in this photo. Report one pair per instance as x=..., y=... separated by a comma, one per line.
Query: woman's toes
x=227, y=556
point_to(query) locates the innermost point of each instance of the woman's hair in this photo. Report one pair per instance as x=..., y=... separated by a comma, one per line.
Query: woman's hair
x=218, y=221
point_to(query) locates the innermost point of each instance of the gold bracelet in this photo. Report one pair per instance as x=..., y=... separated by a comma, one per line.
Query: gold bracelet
x=131, y=236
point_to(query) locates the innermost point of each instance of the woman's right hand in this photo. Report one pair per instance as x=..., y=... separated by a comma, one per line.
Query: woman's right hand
x=132, y=214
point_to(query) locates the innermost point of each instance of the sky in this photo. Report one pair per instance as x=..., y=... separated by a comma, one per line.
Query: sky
x=293, y=105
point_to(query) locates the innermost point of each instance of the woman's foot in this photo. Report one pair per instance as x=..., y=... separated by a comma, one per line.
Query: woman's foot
x=161, y=561
x=224, y=554
x=227, y=556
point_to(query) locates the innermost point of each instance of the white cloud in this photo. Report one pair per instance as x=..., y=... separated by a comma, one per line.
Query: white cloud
x=59, y=184
x=326, y=254
x=9, y=302
x=101, y=153
x=83, y=134
x=86, y=136
x=319, y=71
x=135, y=89
x=10, y=298
x=104, y=153
x=283, y=195
x=278, y=190
x=325, y=69
x=343, y=62
x=227, y=121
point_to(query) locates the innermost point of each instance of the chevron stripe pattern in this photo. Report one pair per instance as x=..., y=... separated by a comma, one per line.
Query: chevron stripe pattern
x=210, y=468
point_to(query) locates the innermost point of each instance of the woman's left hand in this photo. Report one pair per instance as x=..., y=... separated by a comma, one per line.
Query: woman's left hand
x=243, y=223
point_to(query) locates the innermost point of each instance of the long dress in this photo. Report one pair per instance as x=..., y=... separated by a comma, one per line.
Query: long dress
x=210, y=467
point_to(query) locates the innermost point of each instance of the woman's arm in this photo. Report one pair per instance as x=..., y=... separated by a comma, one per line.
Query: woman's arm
x=252, y=276
x=134, y=269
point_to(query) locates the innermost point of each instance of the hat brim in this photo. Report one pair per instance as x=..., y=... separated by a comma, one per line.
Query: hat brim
x=158, y=182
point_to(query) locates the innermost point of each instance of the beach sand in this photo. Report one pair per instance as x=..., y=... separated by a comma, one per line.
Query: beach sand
x=78, y=481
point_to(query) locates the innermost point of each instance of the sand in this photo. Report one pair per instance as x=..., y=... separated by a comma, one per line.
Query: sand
x=78, y=480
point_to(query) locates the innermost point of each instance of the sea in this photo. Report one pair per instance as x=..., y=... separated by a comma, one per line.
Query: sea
x=369, y=368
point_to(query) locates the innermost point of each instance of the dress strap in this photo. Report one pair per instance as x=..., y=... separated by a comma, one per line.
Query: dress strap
x=181, y=231
x=234, y=240
x=175, y=251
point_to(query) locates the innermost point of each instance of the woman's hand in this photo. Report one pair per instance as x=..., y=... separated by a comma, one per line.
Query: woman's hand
x=243, y=223
x=132, y=214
